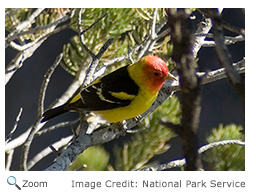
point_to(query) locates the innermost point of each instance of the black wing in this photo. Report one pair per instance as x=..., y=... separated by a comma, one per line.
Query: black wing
x=100, y=94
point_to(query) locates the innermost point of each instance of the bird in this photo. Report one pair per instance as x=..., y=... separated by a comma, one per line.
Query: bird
x=122, y=94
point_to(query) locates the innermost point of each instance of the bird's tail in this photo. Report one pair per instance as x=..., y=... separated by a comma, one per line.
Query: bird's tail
x=53, y=113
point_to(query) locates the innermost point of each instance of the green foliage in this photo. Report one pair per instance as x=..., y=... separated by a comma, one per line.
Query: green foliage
x=226, y=157
x=12, y=20
x=149, y=142
x=128, y=27
x=94, y=158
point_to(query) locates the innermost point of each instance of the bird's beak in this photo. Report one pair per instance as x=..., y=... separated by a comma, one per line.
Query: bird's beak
x=170, y=77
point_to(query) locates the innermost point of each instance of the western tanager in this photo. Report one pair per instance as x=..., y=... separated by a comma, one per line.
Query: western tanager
x=122, y=94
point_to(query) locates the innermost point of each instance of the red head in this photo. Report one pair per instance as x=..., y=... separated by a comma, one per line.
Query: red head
x=155, y=72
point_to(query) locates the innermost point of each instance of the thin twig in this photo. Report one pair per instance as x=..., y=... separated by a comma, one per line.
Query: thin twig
x=9, y=160
x=62, y=142
x=11, y=12
x=17, y=62
x=224, y=55
x=63, y=99
x=57, y=126
x=82, y=32
x=28, y=49
x=39, y=28
x=9, y=136
x=150, y=40
x=26, y=145
x=161, y=24
x=45, y=83
x=153, y=25
x=163, y=34
x=228, y=41
x=142, y=44
x=95, y=58
x=24, y=24
x=219, y=143
x=203, y=28
x=95, y=62
x=34, y=129
x=225, y=58
x=219, y=74
x=124, y=57
x=172, y=164
x=94, y=23
x=41, y=37
x=181, y=162
x=232, y=28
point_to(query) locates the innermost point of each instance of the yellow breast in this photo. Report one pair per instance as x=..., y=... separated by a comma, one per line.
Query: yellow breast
x=138, y=106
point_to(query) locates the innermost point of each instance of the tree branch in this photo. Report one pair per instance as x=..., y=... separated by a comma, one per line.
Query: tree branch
x=190, y=85
x=57, y=126
x=9, y=160
x=80, y=144
x=62, y=142
x=228, y=41
x=18, y=60
x=95, y=62
x=219, y=143
x=38, y=28
x=9, y=136
x=28, y=49
x=225, y=57
x=182, y=162
x=45, y=83
x=35, y=127
x=26, y=145
x=24, y=24
x=203, y=28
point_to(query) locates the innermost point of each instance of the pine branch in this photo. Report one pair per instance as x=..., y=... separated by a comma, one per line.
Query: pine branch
x=219, y=143
x=80, y=144
x=182, y=162
x=23, y=25
x=27, y=50
x=38, y=28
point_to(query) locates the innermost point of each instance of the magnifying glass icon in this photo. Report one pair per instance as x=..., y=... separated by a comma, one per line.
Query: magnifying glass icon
x=11, y=180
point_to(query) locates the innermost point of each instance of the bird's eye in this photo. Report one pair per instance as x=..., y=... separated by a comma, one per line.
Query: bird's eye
x=156, y=74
